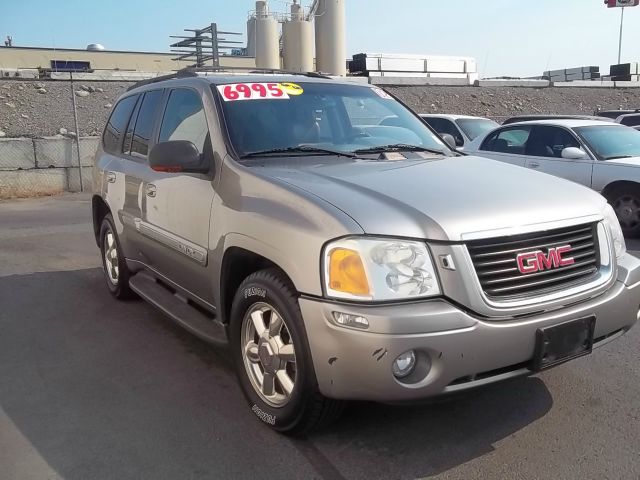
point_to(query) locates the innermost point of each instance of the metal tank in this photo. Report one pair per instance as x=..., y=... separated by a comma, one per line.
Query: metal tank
x=331, y=51
x=267, y=38
x=251, y=36
x=297, y=40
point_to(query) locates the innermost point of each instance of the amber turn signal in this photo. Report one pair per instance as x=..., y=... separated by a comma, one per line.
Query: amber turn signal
x=347, y=273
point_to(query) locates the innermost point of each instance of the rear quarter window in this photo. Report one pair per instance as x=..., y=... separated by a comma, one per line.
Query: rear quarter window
x=112, y=137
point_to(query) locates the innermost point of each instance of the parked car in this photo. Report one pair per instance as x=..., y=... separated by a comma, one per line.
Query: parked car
x=340, y=259
x=529, y=118
x=613, y=114
x=462, y=128
x=629, y=120
x=601, y=155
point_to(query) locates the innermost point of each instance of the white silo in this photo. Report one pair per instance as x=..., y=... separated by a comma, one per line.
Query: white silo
x=267, y=38
x=331, y=51
x=297, y=39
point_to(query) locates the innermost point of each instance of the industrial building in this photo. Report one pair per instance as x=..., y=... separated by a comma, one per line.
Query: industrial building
x=295, y=47
x=61, y=59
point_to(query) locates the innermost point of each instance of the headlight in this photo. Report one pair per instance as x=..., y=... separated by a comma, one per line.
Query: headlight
x=612, y=223
x=379, y=269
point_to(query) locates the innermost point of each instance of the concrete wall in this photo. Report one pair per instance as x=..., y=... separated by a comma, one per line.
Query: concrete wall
x=45, y=166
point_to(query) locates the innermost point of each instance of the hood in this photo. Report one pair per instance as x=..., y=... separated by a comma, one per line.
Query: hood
x=446, y=199
x=632, y=162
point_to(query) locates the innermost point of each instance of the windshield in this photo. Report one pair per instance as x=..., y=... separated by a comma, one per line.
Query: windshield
x=611, y=141
x=474, y=127
x=272, y=117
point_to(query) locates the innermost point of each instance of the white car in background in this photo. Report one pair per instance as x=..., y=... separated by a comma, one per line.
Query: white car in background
x=463, y=128
x=630, y=120
x=602, y=155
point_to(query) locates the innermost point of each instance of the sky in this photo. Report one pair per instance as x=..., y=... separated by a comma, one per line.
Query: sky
x=507, y=37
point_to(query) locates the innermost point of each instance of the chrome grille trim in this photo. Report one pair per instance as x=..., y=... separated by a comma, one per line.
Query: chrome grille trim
x=495, y=264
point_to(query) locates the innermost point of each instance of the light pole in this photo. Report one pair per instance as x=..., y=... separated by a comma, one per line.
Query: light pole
x=620, y=40
x=621, y=4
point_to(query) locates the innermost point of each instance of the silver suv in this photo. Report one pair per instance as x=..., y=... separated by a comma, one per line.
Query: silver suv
x=341, y=259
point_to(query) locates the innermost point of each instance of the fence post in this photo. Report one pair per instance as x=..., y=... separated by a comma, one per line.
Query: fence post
x=75, y=118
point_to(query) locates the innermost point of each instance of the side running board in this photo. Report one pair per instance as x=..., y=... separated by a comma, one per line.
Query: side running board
x=208, y=329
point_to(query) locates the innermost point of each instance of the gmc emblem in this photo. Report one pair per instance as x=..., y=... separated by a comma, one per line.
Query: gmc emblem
x=531, y=262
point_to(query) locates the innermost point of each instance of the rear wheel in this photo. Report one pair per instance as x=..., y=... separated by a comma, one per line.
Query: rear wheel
x=272, y=358
x=114, y=266
x=625, y=200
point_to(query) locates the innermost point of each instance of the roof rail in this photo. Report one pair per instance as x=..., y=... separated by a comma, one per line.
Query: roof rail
x=252, y=70
x=194, y=71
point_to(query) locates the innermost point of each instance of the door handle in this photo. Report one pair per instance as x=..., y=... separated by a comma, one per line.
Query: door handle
x=111, y=177
x=534, y=165
x=151, y=190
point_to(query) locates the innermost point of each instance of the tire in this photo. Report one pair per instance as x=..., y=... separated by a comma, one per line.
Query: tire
x=114, y=266
x=281, y=352
x=625, y=200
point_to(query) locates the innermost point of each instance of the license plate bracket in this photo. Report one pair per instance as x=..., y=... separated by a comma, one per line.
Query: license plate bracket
x=563, y=342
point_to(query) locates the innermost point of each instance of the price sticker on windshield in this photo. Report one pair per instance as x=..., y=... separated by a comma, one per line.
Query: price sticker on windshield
x=255, y=91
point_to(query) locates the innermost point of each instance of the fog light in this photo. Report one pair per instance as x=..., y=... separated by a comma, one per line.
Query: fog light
x=404, y=364
x=348, y=320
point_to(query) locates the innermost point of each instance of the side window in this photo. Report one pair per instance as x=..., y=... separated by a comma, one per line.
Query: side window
x=126, y=145
x=548, y=141
x=184, y=119
x=443, y=125
x=117, y=124
x=145, y=122
x=509, y=140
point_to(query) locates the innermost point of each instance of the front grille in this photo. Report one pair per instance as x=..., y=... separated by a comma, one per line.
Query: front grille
x=495, y=261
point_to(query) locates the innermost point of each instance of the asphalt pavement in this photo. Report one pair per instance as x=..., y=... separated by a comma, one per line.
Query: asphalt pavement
x=93, y=388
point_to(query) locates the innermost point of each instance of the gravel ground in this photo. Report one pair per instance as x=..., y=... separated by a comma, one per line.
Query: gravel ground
x=28, y=111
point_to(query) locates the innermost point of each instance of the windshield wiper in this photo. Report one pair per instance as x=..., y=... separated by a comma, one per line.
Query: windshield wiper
x=398, y=147
x=299, y=149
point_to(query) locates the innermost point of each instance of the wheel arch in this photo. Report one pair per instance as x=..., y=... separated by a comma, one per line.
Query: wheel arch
x=611, y=187
x=99, y=209
x=237, y=264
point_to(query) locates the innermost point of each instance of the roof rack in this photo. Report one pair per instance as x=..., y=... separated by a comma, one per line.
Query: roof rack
x=195, y=71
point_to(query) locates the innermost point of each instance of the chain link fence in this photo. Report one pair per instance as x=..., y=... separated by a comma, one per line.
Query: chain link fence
x=49, y=132
x=45, y=166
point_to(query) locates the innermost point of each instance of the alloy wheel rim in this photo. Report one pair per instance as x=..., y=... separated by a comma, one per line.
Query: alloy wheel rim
x=627, y=209
x=111, y=257
x=269, y=354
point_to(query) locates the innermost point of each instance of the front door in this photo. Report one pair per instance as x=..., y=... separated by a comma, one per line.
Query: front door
x=177, y=207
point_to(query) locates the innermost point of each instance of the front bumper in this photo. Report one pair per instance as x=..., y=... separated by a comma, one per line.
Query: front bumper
x=465, y=351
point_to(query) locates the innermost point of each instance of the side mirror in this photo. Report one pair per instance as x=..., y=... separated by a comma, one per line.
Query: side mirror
x=177, y=156
x=449, y=140
x=573, y=153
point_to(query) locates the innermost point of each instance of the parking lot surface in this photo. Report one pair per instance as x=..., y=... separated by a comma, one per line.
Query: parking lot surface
x=92, y=388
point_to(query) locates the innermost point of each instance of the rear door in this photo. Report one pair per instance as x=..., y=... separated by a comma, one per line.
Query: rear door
x=544, y=153
x=122, y=179
x=177, y=206
x=507, y=145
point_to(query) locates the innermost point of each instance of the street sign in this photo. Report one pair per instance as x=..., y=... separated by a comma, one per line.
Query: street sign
x=621, y=3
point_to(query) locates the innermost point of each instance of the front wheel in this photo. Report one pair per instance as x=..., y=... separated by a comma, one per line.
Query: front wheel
x=625, y=200
x=272, y=357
